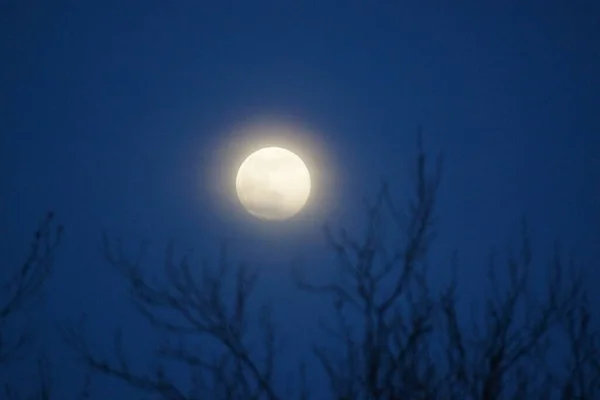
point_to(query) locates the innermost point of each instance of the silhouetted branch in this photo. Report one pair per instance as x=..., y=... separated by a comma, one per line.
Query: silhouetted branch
x=22, y=289
x=404, y=343
x=377, y=278
x=191, y=307
x=25, y=285
x=74, y=336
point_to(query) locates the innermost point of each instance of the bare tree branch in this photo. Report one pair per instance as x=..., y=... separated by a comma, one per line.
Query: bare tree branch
x=20, y=291
x=190, y=307
x=378, y=278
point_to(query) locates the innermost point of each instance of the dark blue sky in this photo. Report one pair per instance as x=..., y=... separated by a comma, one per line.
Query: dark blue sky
x=121, y=116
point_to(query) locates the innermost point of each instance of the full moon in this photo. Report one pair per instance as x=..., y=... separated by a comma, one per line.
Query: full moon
x=273, y=183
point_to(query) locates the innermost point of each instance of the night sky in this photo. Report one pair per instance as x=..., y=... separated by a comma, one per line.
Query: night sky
x=130, y=117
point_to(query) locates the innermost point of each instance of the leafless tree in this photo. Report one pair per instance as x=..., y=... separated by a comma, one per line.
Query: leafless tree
x=384, y=312
x=189, y=311
x=21, y=290
x=392, y=338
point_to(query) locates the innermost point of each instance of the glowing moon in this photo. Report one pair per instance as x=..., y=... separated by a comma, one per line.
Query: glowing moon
x=273, y=183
